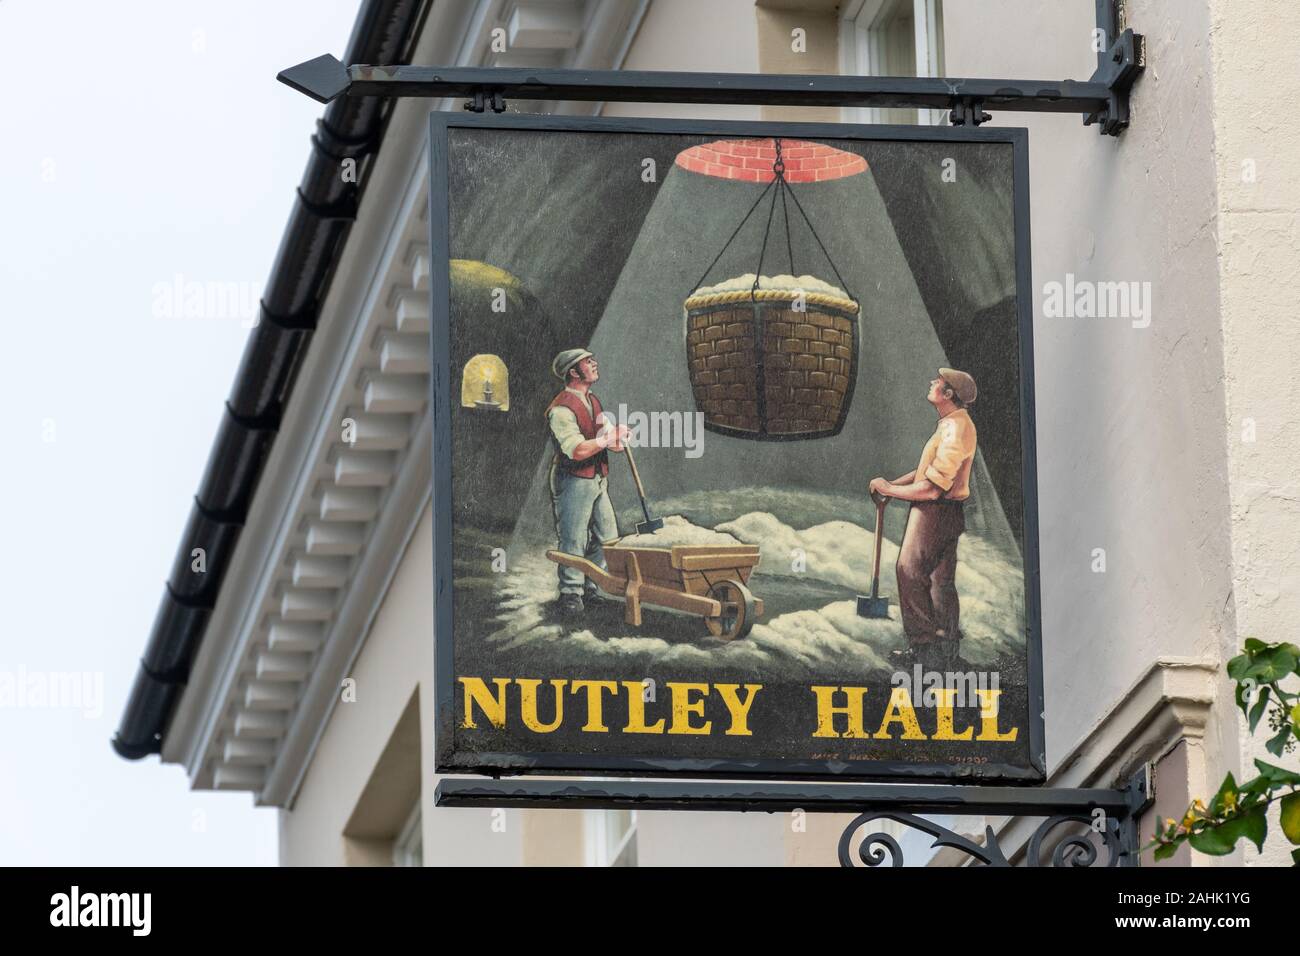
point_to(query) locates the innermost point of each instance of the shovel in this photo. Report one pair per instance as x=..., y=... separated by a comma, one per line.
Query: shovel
x=650, y=525
x=874, y=605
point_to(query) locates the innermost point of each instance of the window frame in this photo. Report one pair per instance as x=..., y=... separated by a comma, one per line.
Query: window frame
x=862, y=51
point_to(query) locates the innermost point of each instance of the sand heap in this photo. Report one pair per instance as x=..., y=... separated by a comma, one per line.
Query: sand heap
x=677, y=530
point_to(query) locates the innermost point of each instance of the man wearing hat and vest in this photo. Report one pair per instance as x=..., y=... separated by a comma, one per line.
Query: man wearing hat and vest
x=579, y=483
x=927, y=558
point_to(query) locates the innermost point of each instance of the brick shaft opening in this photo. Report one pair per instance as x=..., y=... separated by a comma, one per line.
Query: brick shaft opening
x=750, y=160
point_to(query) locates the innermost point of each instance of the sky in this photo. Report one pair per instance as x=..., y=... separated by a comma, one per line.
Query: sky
x=145, y=143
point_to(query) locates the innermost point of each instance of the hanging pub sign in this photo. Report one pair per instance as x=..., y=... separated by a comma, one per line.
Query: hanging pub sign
x=733, y=450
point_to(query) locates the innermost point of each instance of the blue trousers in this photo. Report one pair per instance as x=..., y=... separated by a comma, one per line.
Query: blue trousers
x=584, y=521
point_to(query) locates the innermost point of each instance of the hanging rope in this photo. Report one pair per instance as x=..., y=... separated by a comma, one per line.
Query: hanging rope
x=778, y=185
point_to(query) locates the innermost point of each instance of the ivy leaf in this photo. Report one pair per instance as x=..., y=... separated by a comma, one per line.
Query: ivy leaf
x=1291, y=817
x=1277, y=775
x=1258, y=785
x=1271, y=665
x=1261, y=704
x=1277, y=745
x=1238, y=666
x=1166, y=850
x=1295, y=856
x=1253, y=826
x=1253, y=645
x=1213, y=840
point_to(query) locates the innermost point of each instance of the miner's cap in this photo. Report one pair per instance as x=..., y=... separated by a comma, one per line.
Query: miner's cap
x=566, y=360
x=961, y=383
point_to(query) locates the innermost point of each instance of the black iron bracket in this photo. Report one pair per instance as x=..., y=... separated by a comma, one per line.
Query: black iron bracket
x=1096, y=819
x=1103, y=99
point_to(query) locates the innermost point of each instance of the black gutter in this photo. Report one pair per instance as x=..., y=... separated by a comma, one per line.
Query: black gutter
x=352, y=128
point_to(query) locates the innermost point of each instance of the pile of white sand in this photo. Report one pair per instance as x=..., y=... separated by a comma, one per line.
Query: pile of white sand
x=677, y=530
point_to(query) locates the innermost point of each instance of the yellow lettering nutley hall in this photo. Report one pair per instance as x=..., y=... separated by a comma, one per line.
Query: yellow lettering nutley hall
x=601, y=706
x=842, y=706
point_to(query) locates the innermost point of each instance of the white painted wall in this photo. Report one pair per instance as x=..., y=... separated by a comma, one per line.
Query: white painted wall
x=720, y=36
x=397, y=658
x=1252, y=47
x=1139, y=430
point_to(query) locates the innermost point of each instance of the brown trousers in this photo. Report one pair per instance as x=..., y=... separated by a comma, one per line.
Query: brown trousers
x=927, y=569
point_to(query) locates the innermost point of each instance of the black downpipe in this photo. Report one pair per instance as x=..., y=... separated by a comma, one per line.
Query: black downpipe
x=352, y=128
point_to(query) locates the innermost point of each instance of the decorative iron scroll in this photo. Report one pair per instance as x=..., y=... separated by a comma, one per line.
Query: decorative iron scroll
x=879, y=848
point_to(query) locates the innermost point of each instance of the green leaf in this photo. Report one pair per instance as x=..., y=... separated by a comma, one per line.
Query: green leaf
x=1253, y=826
x=1277, y=745
x=1277, y=775
x=1261, y=704
x=1271, y=665
x=1291, y=649
x=1229, y=785
x=1238, y=666
x=1258, y=785
x=1213, y=841
x=1166, y=850
x=1252, y=645
x=1291, y=817
x=1295, y=856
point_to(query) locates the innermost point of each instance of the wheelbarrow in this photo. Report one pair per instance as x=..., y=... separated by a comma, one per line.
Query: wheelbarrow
x=704, y=579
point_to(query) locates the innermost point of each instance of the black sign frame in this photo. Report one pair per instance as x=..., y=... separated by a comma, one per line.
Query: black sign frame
x=496, y=764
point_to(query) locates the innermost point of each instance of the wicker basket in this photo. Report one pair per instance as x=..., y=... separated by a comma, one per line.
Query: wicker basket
x=764, y=370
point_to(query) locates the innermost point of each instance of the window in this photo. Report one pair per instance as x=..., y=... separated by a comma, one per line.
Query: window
x=408, y=847
x=893, y=38
x=611, y=837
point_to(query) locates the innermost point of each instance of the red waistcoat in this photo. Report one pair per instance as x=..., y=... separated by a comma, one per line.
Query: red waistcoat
x=587, y=425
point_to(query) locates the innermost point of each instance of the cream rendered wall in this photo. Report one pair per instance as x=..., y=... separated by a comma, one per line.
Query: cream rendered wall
x=1256, y=73
x=397, y=658
x=1136, y=453
x=713, y=36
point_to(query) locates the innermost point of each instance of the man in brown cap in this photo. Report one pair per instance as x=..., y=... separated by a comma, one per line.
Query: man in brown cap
x=927, y=558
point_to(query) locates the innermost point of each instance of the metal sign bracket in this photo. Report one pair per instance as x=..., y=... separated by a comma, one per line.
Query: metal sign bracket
x=1100, y=824
x=1103, y=100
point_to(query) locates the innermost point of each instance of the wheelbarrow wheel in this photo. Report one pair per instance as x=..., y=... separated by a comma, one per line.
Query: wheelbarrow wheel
x=737, y=615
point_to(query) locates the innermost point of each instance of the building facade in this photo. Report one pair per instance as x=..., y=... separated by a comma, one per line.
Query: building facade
x=1168, y=497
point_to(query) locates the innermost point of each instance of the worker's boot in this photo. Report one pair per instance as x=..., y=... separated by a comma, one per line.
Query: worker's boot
x=571, y=605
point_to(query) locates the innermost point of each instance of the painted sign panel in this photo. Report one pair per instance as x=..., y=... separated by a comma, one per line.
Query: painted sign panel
x=733, y=467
